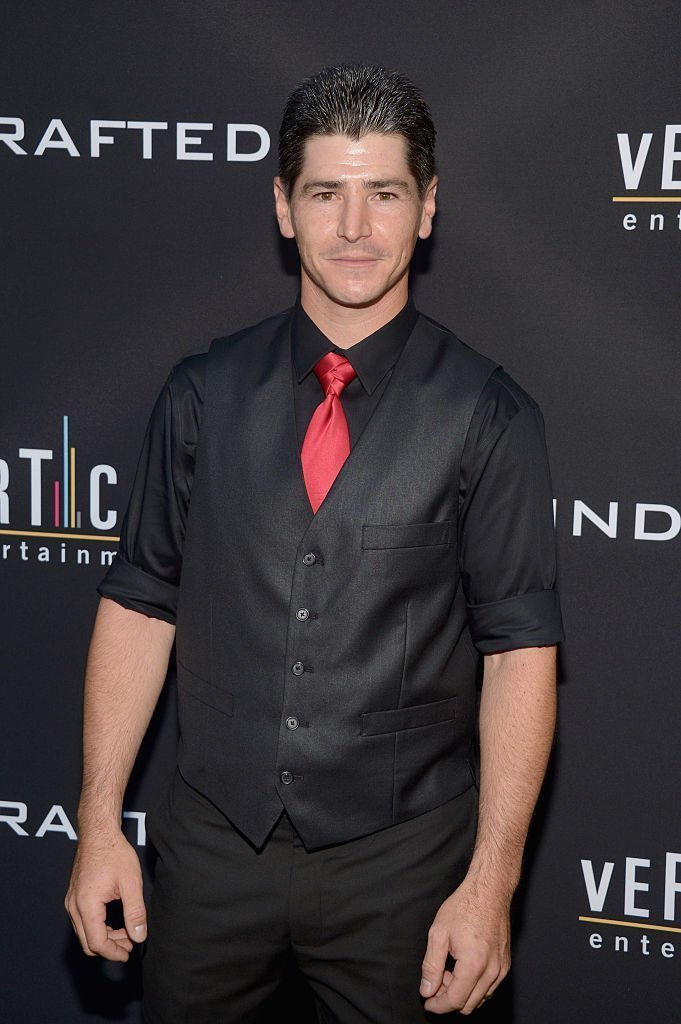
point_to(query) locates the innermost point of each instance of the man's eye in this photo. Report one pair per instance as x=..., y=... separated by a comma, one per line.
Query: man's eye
x=385, y=195
x=325, y=196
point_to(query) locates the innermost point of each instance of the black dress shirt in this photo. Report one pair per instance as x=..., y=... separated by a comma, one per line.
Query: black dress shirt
x=372, y=359
x=506, y=536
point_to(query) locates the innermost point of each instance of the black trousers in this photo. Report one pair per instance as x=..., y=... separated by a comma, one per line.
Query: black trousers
x=224, y=919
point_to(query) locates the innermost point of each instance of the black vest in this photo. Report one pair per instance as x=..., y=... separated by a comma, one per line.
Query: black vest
x=324, y=662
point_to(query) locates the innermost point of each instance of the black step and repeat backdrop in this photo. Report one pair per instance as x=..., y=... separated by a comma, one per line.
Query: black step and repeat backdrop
x=137, y=148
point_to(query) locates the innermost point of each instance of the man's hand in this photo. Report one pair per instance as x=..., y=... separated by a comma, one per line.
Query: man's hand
x=476, y=932
x=106, y=869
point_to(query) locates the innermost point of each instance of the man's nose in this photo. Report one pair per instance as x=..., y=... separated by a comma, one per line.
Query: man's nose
x=354, y=221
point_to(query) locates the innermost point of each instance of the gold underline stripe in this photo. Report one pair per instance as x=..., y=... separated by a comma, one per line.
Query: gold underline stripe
x=632, y=924
x=646, y=199
x=65, y=536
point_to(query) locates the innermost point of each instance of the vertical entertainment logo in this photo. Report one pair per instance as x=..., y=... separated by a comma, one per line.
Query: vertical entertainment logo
x=641, y=184
x=39, y=507
x=623, y=895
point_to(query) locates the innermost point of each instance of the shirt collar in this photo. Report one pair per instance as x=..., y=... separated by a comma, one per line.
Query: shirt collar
x=370, y=358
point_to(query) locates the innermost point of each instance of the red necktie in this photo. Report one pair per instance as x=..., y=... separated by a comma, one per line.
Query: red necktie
x=327, y=439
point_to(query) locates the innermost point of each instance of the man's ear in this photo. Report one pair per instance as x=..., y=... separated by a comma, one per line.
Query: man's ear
x=429, y=208
x=282, y=209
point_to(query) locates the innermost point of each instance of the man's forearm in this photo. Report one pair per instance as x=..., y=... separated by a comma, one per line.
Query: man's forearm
x=517, y=723
x=127, y=665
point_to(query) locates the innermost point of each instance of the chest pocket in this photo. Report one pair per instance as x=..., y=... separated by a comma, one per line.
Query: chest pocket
x=405, y=535
x=409, y=551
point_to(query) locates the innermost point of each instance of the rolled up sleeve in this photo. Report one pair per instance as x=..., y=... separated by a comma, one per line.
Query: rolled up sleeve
x=145, y=574
x=506, y=533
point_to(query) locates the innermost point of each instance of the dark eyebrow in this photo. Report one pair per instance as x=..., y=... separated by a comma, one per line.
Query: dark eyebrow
x=321, y=186
x=373, y=186
x=388, y=183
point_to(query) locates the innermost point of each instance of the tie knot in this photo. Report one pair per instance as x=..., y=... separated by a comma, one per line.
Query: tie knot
x=333, y=372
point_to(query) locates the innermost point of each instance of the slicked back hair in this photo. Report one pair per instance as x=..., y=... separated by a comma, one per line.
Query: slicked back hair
x=354, y=100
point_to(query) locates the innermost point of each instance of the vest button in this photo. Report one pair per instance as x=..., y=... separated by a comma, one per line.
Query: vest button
x=297, y=668
x=286, y=778
x=310, y=558
x=302, y=614
x=292, y=723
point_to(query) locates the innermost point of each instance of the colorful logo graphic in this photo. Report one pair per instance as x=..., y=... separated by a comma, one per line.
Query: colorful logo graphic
x=38, y=506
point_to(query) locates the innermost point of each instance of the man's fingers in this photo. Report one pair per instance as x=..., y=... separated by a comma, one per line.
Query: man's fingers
x=97, y=935
x=134, y=910
x=80, y=934
x=465, y=990
x=485, y=986
x=456, y=994
x=77, y=923
x=107, y=946
x=120, y=937
x=484, y=991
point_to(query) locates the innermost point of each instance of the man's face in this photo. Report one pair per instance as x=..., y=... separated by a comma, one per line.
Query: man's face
x=355, y=214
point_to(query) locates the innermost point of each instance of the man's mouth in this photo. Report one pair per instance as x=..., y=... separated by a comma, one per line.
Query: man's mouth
x=354, y=260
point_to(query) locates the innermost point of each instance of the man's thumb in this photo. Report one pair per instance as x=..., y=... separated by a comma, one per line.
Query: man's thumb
x=432, y=968
x=134, y=911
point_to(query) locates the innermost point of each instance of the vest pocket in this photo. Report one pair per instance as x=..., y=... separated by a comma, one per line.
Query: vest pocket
x=375, y=723
x=405, y=535
x=214, y=696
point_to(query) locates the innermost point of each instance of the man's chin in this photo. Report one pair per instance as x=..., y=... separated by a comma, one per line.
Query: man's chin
x=353, y=294
x=360, y=298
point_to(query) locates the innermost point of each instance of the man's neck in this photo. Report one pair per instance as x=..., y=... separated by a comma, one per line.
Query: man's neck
x=345, y=326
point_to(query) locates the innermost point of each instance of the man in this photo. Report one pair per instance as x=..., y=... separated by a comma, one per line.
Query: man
x=332, y=507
